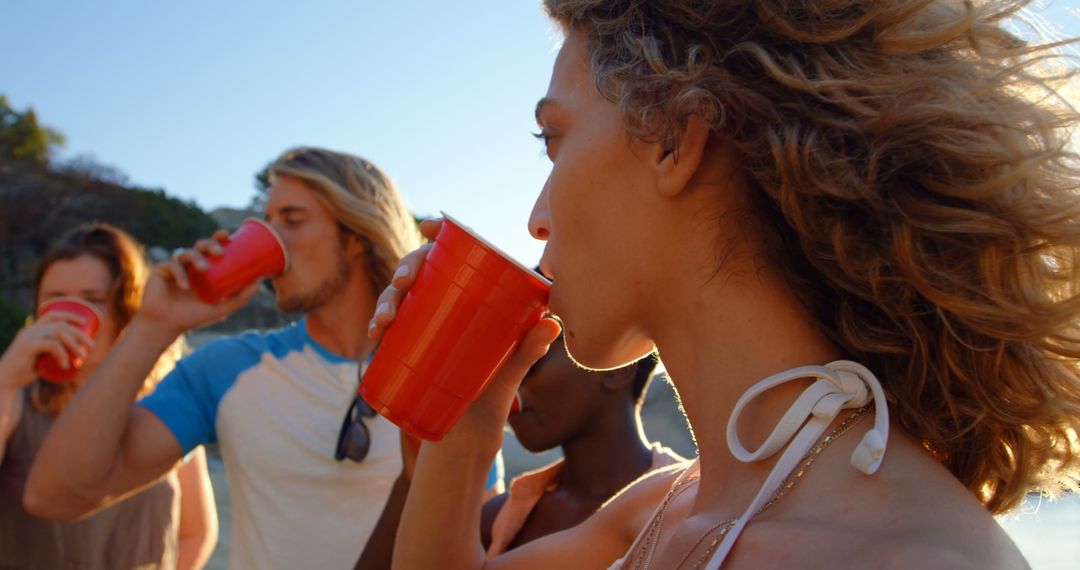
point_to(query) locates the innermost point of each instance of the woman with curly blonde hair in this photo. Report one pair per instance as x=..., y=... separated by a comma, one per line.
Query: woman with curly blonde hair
x=839, y=212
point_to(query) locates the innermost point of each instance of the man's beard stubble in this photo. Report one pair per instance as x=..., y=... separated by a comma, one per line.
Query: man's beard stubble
x=322, y=293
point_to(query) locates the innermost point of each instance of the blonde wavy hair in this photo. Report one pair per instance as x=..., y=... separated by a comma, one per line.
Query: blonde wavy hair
x=124, y=258
x=362, y=198
x=914, y=177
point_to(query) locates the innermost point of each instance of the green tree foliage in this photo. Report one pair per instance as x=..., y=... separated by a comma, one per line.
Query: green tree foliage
x=262, y=189
x=12, y=318
x=40, y=199
x=23, y=140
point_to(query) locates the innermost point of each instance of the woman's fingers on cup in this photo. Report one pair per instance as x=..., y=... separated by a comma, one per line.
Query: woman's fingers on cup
x=430, y=228
x=73, y=340
x=56, y=349
x=409, y=267
x=385, y=309
x=532, y=348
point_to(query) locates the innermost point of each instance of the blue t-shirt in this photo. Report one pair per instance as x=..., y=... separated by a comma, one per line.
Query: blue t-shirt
x=274, y=402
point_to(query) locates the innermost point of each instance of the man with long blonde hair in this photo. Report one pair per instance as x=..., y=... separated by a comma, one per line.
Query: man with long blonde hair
x=306, y=489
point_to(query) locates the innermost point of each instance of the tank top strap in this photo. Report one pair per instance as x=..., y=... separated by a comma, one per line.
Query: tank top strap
x=691, y=471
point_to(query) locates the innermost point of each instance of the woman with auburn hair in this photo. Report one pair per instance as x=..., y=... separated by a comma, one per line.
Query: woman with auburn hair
x=172, y=523
x=857, y=225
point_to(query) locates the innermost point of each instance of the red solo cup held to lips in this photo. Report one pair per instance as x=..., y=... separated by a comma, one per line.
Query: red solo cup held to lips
x=467, y=311
x=47, y=367
x=254, y=251
x=457, y=240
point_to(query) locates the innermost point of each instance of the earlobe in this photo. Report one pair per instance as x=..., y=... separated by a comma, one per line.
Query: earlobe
x=676, y=167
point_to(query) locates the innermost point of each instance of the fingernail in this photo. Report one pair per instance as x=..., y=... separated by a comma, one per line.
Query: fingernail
x=401, y=271
x=384, y=309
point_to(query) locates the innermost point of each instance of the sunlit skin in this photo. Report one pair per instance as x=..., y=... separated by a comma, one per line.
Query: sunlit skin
x=658, y=246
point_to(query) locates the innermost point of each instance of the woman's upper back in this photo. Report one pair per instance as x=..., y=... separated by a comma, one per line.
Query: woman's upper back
x=140, y=532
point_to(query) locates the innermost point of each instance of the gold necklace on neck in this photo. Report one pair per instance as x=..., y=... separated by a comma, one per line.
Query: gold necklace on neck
x=653, y=531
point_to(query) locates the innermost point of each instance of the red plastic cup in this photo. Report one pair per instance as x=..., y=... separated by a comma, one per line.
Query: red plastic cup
x=47, y=366
x=469, y=308
x=254, y=251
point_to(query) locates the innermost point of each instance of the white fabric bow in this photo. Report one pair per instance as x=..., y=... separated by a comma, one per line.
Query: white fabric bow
x=840, y=385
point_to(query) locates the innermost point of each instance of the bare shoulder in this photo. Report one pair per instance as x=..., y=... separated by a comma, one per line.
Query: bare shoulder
x=911, y=514
x=651, y=483
x=992, y=555
x=629, y=510
x=601, y=538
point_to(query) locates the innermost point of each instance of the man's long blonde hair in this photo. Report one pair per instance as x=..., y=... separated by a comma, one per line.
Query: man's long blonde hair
x=362, y=198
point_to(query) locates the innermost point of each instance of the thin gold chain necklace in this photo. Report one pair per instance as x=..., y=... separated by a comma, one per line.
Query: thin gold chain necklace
x=645, y=554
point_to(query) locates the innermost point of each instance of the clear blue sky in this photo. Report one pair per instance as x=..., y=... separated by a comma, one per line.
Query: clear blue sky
x=196, y=96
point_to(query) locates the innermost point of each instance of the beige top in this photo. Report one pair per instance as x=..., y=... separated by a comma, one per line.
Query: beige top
x=140, y=532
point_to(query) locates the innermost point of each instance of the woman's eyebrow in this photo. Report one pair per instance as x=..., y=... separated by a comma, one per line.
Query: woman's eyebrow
x=540, y=105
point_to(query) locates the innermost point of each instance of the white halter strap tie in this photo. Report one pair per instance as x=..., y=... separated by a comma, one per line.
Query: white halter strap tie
x=840, y=385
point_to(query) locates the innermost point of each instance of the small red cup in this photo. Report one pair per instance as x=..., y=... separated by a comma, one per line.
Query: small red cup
x=469, y=308
x=254, y=251
x=47, y=366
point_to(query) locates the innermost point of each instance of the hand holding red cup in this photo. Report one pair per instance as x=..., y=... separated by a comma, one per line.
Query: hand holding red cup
x=468, y=309
x=252, y=252
x=47, y=365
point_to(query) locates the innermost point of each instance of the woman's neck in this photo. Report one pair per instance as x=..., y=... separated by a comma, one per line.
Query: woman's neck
x=717, y=339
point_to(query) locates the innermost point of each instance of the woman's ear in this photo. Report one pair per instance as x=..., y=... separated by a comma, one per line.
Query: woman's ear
x=675, y=167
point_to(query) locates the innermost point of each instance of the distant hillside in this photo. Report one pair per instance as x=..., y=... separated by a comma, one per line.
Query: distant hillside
x=40, y=198
x=231, y=218
x=36, y=205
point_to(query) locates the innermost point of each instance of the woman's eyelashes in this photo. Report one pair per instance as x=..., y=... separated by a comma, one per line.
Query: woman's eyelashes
x=545, y=137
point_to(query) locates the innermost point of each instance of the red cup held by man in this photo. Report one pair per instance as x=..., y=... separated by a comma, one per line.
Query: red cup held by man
x=47, y=367
x=254, y=251
x=469, y=308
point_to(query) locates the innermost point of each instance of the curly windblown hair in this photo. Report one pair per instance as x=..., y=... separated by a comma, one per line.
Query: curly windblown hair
x=914, y=176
